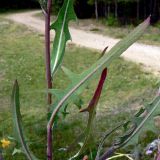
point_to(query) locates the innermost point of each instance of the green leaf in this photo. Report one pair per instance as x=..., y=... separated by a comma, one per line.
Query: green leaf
x=72, y=76
x=15, y=104
x=146, y=122
x=106, y=135
x=74, y=98
x=142, y=121
x=91, y=109
x=96, y=69
x=62, y=33
x=15, y=151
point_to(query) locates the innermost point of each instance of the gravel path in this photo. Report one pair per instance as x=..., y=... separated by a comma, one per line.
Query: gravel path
x=146, y=55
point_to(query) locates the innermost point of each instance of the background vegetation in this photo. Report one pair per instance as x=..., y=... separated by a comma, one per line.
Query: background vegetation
x=18, y=4
x=115, y=11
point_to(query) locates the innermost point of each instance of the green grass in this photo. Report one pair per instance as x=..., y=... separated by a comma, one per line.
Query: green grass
x=22, y=58
x=150, y=36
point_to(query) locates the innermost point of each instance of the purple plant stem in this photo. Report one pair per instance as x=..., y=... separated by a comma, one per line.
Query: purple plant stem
x=1, y=158
x=50, y=123
x=49, y=143
x=48, y=73
x=107, y=154
x=158, y=156
x=47, y=50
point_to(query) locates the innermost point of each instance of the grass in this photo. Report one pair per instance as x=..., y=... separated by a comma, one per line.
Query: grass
x=22, y=58
x=150, y=37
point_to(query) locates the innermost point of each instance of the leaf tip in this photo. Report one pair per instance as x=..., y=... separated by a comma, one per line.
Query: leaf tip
x=15, y=85
x=16, y=81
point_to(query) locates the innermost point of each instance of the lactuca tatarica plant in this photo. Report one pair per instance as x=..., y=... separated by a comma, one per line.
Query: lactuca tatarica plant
x=54, y=57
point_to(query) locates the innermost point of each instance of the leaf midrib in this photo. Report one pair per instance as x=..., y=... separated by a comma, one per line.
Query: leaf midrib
x=61, y=34
x=19, y=129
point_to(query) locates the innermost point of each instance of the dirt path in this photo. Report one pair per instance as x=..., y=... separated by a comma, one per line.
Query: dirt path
x=147, y=55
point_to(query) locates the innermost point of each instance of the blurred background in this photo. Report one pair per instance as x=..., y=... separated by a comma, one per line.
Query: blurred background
x=118, y=12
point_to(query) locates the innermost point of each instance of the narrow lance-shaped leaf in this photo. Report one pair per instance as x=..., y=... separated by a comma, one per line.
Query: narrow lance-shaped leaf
x=144, y=123
x=98, y=67
x=15, y=104
x=106, y=135
x=141, y=122
x=74, y=98
x=92, y=112
x=109, y=152
x=62, y=33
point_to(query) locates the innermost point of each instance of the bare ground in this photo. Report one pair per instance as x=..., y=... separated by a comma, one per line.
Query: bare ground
x=146, y=55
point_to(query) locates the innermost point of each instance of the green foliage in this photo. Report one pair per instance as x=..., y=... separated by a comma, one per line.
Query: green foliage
x=91, y=2
x=20, y=62
x=62, y=33
x=83, y=79
x=127, y=85
x=91, y=109
x=15, y=104
x=79, y=82
x=112, y=21
x=144, y=122
x=57, y=4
